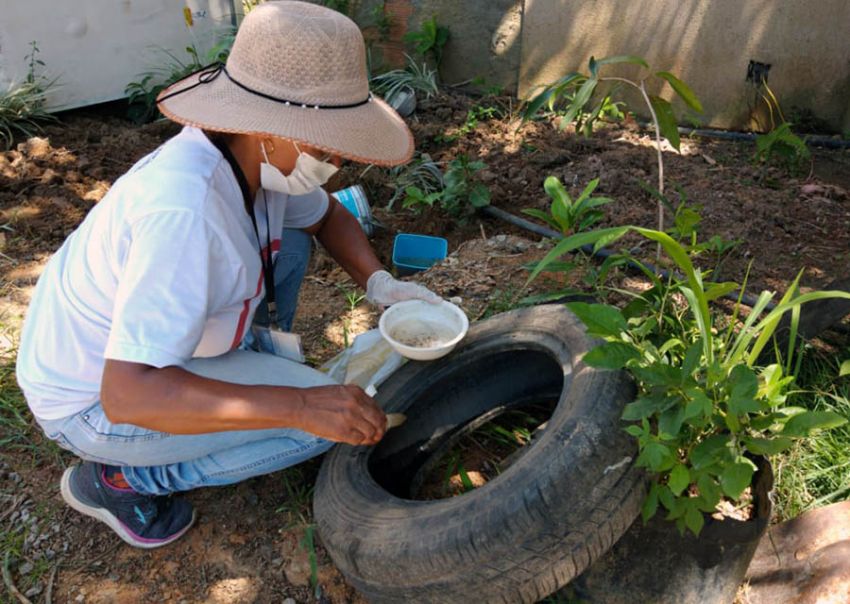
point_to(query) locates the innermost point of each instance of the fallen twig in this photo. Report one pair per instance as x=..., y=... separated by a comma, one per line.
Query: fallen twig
x=48, y=593
x=10, y=585
x=15, y=503
x=87, y=563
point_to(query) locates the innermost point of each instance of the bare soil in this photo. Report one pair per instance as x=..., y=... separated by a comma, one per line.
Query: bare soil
x=251, y=543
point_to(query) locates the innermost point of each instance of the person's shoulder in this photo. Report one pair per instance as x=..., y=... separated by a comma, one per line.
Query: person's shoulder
x=180, y=175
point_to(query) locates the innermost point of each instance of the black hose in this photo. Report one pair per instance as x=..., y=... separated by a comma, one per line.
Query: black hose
x=815, y=140
x=603, y=253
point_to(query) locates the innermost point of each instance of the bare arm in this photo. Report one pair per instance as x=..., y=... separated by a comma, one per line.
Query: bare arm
x=174, y=400
x=340, y=234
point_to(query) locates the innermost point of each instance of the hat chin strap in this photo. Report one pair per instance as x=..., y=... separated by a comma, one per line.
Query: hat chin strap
x=308, y=175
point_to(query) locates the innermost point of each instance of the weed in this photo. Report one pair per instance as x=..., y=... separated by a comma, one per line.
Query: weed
x=383, y=21
x=474, y=116
x=429, y=40
x=705, y=406
x=22, y=106
x=352, y=298
x=142, y=93
x=783, y=145
x=422, y=173
x=308, y=543
x=686, y=221
x=341, y=6
x=461, y=192
x=297, y=482
x=502, y=300
x=816, y=472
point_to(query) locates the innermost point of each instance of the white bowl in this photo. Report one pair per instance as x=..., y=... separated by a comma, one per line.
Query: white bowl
x=423, y=331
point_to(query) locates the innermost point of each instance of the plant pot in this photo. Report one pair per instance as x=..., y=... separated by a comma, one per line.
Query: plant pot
x=654, y=563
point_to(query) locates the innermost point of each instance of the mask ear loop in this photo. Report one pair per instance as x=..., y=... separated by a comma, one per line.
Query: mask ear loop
x=263, y=148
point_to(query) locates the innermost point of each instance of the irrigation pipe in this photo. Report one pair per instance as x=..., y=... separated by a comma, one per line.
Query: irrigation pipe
x=815, y=140
x=604, y=253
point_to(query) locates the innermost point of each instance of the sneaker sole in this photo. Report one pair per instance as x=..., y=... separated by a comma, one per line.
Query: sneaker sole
x=111, y=520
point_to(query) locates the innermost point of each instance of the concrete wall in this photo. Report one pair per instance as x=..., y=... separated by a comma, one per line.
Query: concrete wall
x=708, y=43
x=484, y=39
x=94, y=48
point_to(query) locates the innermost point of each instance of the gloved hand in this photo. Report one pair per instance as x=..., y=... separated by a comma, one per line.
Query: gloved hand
x=383, y=289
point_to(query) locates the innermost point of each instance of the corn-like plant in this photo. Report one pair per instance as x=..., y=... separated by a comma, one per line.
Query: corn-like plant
x=570, y=216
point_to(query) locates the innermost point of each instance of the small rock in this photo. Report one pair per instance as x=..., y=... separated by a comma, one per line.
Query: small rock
x=25, y=568
x=486, y=176
x=34, y=590
x=277, y=561
x=35, y=147
x=289, y=601
x=50, y=177
x=14, y=477
x=49, y=554
x=80, y=598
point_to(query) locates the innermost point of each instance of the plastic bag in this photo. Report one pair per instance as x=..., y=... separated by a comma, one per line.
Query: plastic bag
x=367, y=362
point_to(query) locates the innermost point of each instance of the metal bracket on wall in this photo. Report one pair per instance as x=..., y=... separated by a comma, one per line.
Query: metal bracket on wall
x=757, y=72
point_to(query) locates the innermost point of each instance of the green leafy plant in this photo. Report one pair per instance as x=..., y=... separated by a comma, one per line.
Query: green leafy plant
x=22, y=106
x=707, y=403
x=353, y=298
x=461, y=192
x=419, y=78
x=782, y=144
x=308, y=543
x=341, y=6
x=416, y=180
x=686, y=221
x=383, y=21
x=579, y=91
x=570, y=216
x=474, y=116
x=429, y=40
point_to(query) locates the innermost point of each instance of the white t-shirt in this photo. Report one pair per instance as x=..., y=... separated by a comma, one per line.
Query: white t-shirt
x=165, y=268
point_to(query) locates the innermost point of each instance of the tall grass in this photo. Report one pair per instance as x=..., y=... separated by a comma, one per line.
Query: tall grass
x=816, y=471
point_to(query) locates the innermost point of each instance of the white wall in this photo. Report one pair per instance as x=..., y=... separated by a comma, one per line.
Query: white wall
x=96, y=47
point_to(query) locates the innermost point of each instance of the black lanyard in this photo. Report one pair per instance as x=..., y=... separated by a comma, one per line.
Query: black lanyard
x=265, y=261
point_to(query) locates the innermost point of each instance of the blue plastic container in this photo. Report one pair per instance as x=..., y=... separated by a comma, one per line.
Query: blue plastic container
x=354, y=200
x=414, y=253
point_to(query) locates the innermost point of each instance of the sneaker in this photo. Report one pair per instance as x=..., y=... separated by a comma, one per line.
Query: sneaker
x=145, y=521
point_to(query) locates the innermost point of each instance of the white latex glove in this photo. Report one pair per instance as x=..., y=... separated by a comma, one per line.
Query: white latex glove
x=383, y=289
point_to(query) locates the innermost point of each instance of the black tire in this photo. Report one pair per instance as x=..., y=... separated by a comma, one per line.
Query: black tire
x=567, y=498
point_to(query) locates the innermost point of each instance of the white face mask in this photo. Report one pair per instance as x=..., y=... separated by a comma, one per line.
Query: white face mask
x=308, y=175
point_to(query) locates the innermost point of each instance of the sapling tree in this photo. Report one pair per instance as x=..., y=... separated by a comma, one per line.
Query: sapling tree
x=579, y=92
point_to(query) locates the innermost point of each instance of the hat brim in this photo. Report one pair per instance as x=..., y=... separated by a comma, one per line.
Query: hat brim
x=372, y=133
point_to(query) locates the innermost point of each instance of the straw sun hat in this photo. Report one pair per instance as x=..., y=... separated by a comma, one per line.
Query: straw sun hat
x=296, y=71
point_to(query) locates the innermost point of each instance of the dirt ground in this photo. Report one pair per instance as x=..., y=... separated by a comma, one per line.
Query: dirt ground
x=253, y=541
